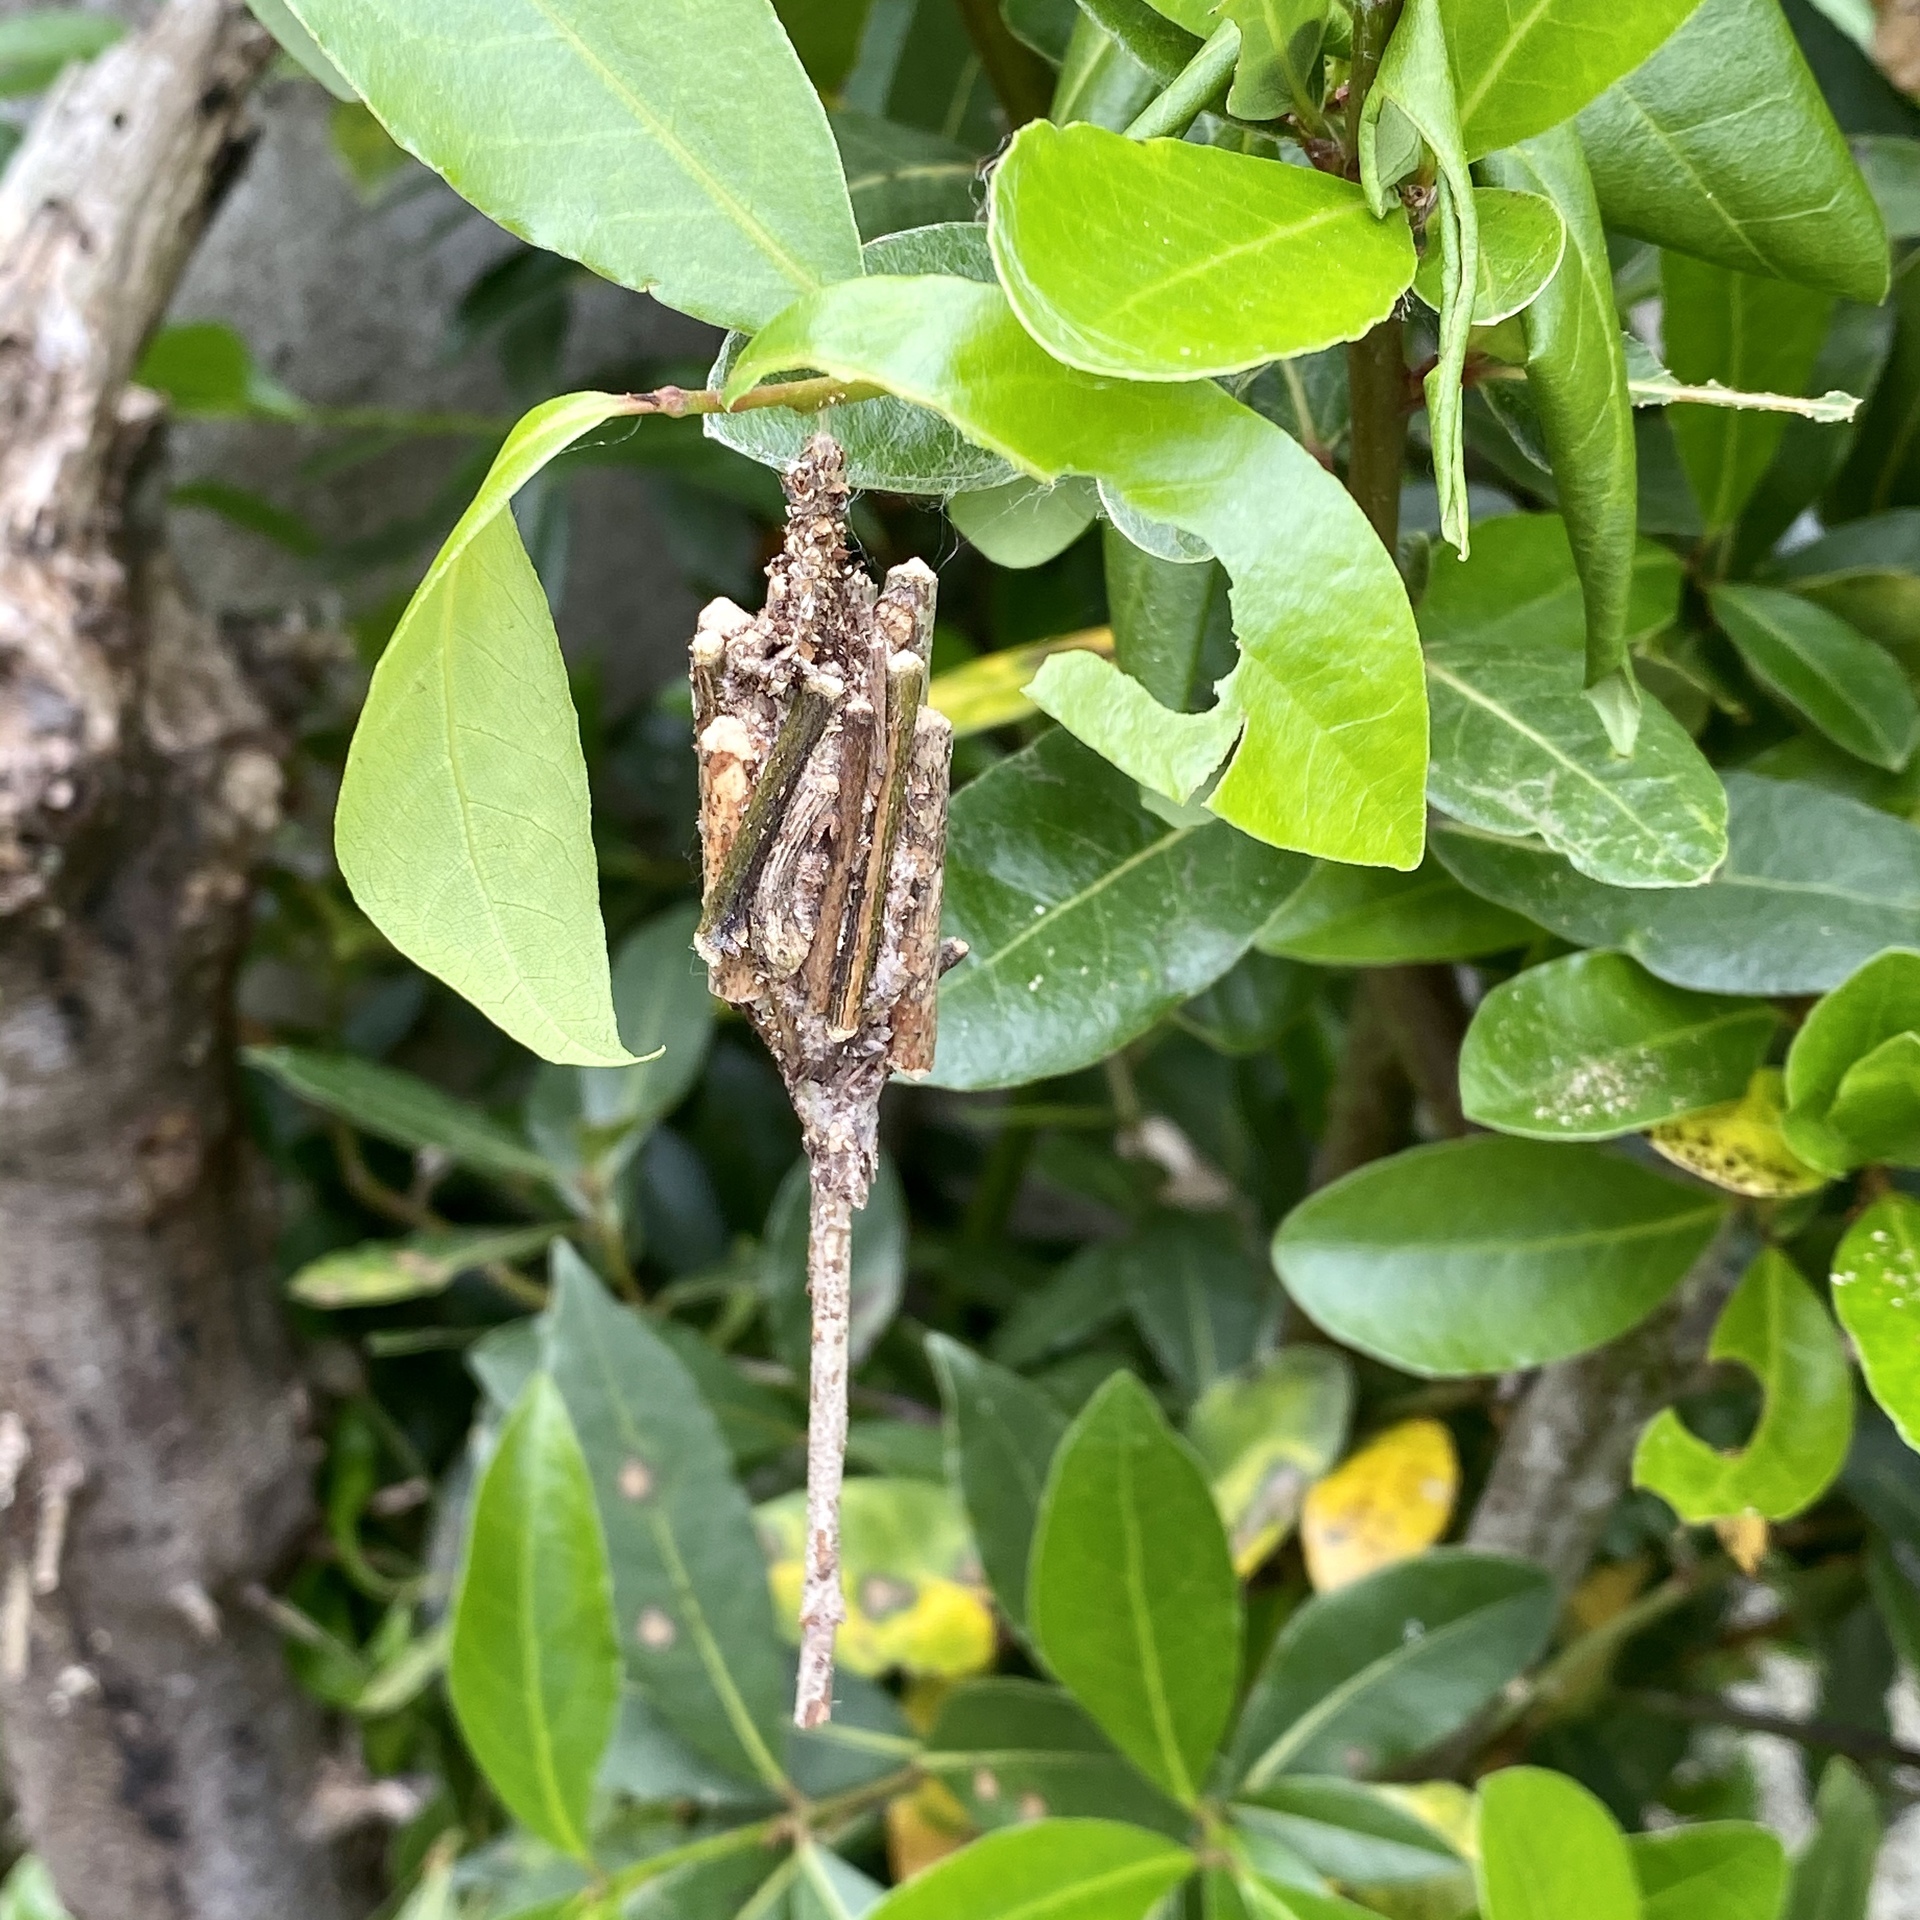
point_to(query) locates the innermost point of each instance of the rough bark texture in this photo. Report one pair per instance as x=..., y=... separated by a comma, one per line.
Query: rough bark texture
x=1565, y=1457
x=160, y=1759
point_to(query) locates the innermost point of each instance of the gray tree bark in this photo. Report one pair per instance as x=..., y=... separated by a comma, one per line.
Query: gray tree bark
x=152, y=1451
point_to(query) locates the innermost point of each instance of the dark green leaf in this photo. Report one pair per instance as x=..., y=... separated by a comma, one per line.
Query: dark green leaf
x=1721, y=146
x=1486, y=1254
x=900, y=177
x=1372, y=917
x=604, y=140
x=533, y=1669
x=826, y=34
x=1051, y=1870
x=1548, y=1848
x=1149, y=38
x=1088, y=917
x=1353, y=1834
x=1591, y=1046
x=207, y=372
x=1279, y=68
x=1001, y=1437
x=689, y=1583
x=879, y=1265
x=1204, y=1307
x=1876, y=1280
x=1833, y=1877
x=1719, y=1870
x=1163, y=613
x=1246, y=1010
x=1132, y=1597
x=1080, y=1300
x=1379, y=1671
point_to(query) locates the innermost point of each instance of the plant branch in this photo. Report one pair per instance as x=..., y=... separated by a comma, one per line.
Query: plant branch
x=830, y=1290
x=1187, y=95
x=1020, y=78
x=1824, y=1736
x=803, y=396
x=1373, y=25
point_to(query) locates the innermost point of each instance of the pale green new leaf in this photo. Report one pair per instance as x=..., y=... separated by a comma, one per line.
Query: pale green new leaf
x=1165, y=260
x=1022, y=523
x=1332, y=757
x=533, y=1668
x=1050, y=1870
x=1778, y=1330
x=463, y=825
x=594, y=129
x=1876, y=1292
x=1172, y=753
x=1721, y=146
x=1279, y=65
x=379, y=1272
x=1717, y=1870
x=1875, y=1006
x=1522, y=238
x=1549, y=1850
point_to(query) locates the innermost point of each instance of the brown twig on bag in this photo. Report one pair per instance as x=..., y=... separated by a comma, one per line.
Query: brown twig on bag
x=823, y=808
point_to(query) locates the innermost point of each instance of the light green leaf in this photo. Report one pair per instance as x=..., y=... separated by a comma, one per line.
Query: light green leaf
x=879, y=1271
x=1022, y=523
x=689, y=1585
x=1371, y=917
x=1754, y=334
x=1157, y=259
x=1550, y=1851
x=1721, y=146
x=1089, y=918
x=533, y=1669
x=1776, y=1328
x=1828, y=672
x=1336, y=721
x=295, y=41
x=1279, y=68
x=1591, y=1046
x=28, y=1893
x=1577, y=378
x=1414, y=91
x=379, y=1272
x=1486, y=1254
x=1833, y=1877
x=1522, y=238
x=603, y=138
x=1519, y=749
x=1378, y=1671
x=1719, y=1870
x=1171, y=753
x=1813, y=884
x=1131, y=1597
x=398, y=1107
x=1050, y=1870
x=37, y=44
x=207, y=372
x=1876, y=1004
x=463, y=823
x=1876, y=1292
x=1001, y=1435
x=1877, y=1106
x=1523, y=69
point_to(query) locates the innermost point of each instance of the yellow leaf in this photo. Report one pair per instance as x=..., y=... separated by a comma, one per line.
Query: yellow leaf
x=1744, y=1535
x=986, y=692
x=924, y=1826
x=1386, y=1503
x=1738, y=1144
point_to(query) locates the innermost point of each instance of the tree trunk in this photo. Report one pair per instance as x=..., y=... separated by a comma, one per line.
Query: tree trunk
x=152, y=1459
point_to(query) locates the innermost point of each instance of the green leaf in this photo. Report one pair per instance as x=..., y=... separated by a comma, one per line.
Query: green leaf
x=1356, y=1835
x=534, y=1669
x=1874, y=1005
x=379, y=1272
x=1813, y=884
x=1014, y=1750
x=1591, y=1046
x=1131, y=1596
x=1376, y=1672
x=1522, y=238
x=1203, y=1306
x=207, y=372
x=1518, y=748
x=1088, y=917
x=1577, y=378
x=1486, y=1254
x=1833, y=1877
x=689, y=1584
x=1051, y=1870
x=1152, y=44
x=901, y=177
x=1333, y=752
x=1521, y=70
x=1828, y=672
x=398, y=1107
x=879, y=1265
x=463, y=824
x=826, y=34
x=298, y=44
x=1413, y=95
x=1776, y=1328
x=28, y=1893
x=1876, y=1281
x=1758, y=334
x=1877, y=1107
x=1721, y=146
x=37, y=44
x=1550, y=1850
x=1022, y=523
x=1279, y=68
x=1149, y=258
x=1719, y=1870
x=604, y=139
x=1163, y=616
x=1249, y=1007
x=1001, y=1436
x=1372, y=917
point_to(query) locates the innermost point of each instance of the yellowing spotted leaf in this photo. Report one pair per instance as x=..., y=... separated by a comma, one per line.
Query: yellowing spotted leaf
x=1738, y=1144
x=923, y=1827
x=1386, y=1503
x=916, y=1597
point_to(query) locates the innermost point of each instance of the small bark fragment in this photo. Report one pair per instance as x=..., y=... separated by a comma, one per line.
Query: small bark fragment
x=823, y=803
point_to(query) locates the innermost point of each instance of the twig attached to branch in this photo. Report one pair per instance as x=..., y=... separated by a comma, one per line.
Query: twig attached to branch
x=823, y=818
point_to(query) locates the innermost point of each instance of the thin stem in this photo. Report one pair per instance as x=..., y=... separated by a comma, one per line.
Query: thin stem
x=1825, y=1736
x=1373, y=25
x=1021, y=79
x=1186, y=95
x=1377, y=444
x=803, y=396
x=830, y=1287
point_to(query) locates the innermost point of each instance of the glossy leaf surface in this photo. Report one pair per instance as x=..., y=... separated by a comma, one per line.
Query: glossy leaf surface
x=1372, y=917
x=1052, y=1870
x=1876, y=1292
x=1549, y=1848
x=1522, y=238
x=1872, y=1006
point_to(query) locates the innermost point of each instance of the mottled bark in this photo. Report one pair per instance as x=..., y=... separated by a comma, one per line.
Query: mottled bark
x=160, y=1757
